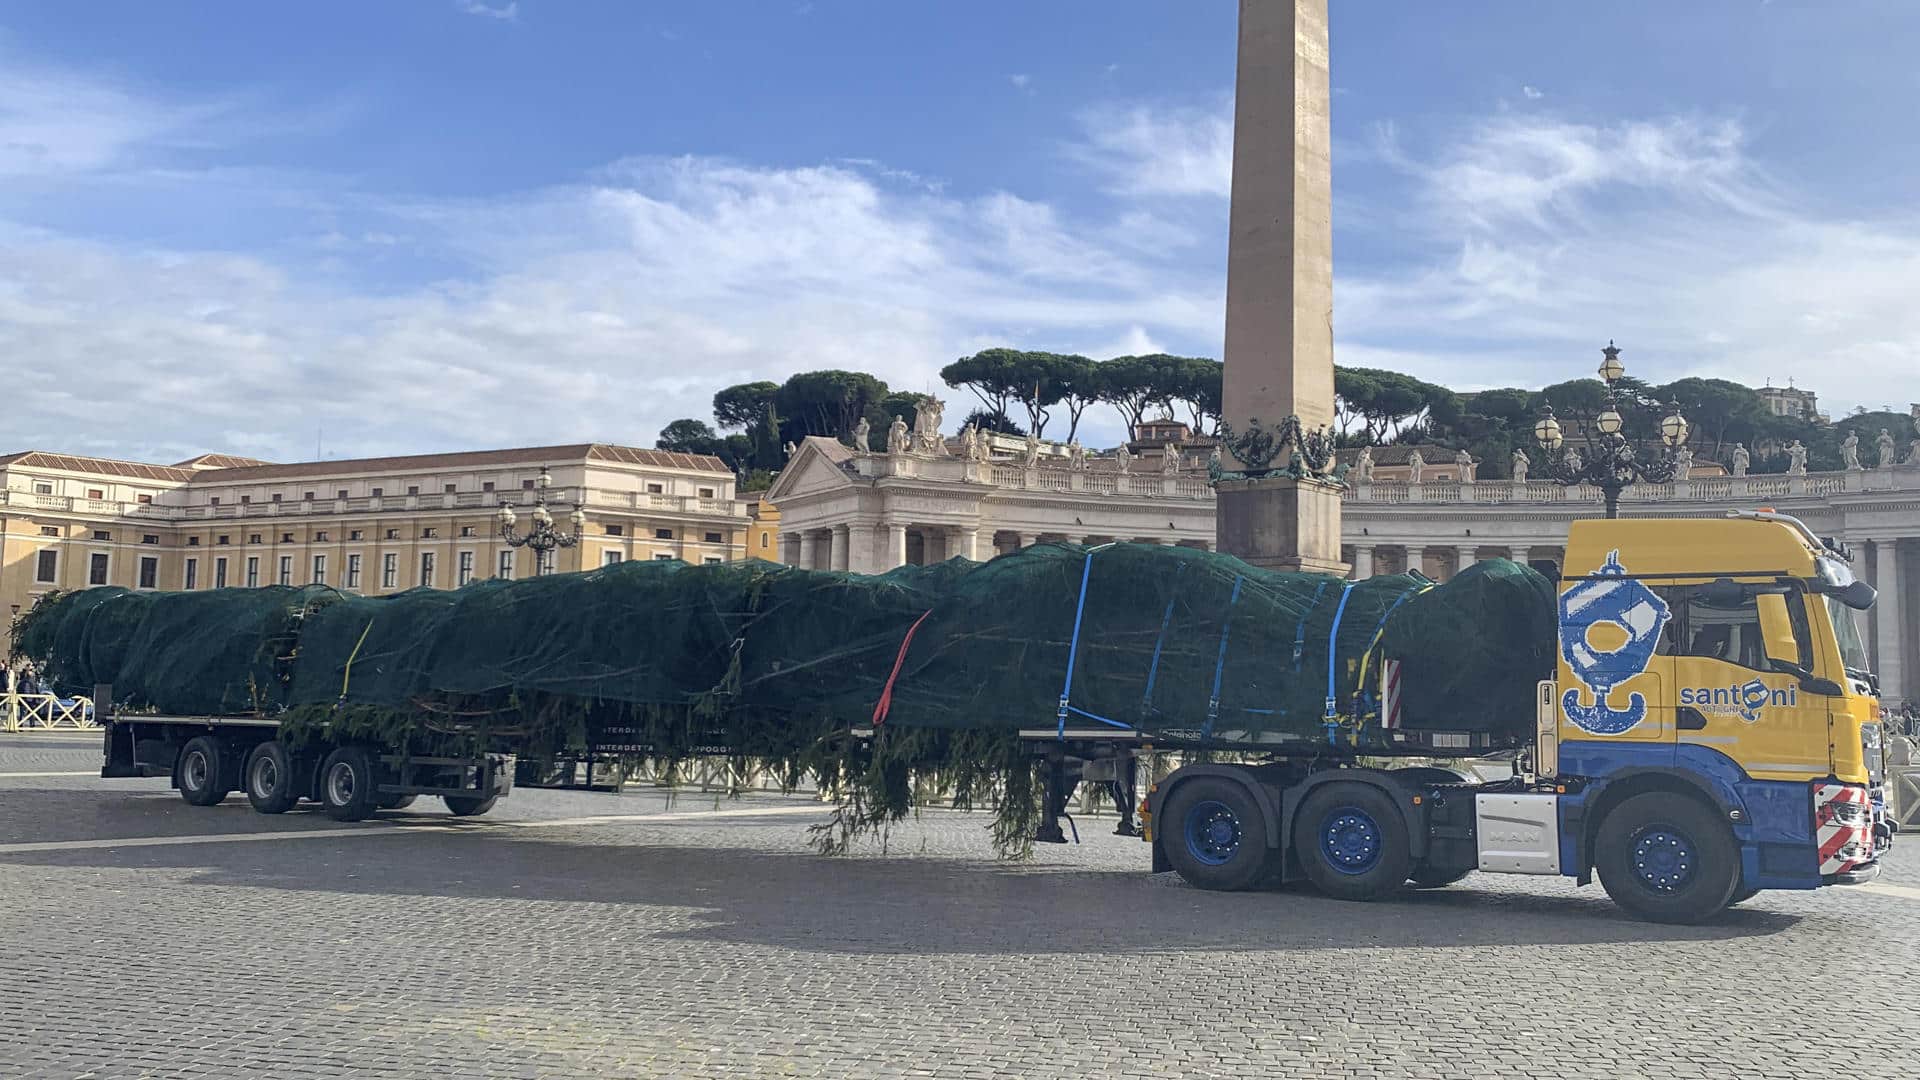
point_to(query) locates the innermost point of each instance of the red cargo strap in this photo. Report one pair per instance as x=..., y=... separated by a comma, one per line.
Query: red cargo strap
x=885, y=703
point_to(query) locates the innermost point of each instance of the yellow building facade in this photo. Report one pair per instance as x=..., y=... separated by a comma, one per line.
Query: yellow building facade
x=372, y=526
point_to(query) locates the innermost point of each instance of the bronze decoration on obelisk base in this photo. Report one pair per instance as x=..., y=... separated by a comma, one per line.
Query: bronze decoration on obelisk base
x=1279, y=505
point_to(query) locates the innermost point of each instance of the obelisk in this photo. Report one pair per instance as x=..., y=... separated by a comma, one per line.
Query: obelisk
x=1279, y=348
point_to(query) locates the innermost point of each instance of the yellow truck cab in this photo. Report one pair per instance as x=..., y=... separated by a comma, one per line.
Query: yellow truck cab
x=1711, y=685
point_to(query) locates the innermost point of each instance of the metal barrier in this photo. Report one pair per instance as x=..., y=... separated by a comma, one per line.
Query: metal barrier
x=1903, y=782
x=45, y=712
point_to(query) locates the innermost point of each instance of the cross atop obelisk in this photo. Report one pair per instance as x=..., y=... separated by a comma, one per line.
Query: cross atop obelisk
x=1279, y=349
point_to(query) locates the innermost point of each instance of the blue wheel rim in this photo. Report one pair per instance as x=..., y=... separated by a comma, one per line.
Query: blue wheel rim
x=1214, y=832
x=1350, y=840
x=1664, y=859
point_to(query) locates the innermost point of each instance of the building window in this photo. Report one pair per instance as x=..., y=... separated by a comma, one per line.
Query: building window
x=102, y=534
x=450, y=488
x=413, y=489
x=247, y=500
x=193, y=541
x=377, y=492
x=215, y=501
x=712, y=560
x=219, y=573
x=319, y=569
x=340, y=494
x=353, y=571
x=706, y=493
x=49, y=530
x=426, y=569
x=286, y=538
x=464, y=573
x=96, y=493
x=466, y=530
x=97, y=569
x=286, y=569
x=40, y=488
x=526, y=485
x=663, y=534
x=389, y=571
x=149, y=538
x=393, y=534
x=143, y=500
x=505, y=572
x=765, y=539
x=308, y=497
x=356, y=535
x=149, y=572
x=663, y=558
x=656, y=489
x=320, y=537
x=192, y=580
x=616, y=530
x=222, y=540
x=713, y=538
x=610, y=558
x=47, y=570
x=488, y=486
x=276, y=497
x=429, y=533
x=253, y=538
x=253, y=571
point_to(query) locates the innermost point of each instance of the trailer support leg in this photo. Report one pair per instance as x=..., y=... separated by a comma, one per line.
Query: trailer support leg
x=1058, y=789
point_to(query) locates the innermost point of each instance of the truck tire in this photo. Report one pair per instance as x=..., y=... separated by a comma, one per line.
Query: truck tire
x=1352, y=842
x=469, y=805
x=1427, y=878
x=1667, y=858
x=1214, y=834
x=396, y=802
x=270, y=779
x=201, y=771
x=349, y=790
x=1741, y=895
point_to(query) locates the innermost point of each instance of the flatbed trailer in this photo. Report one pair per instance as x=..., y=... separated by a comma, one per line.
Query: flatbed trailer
x=208, y=757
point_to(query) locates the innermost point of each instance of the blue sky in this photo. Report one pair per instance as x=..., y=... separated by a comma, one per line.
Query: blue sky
x=447, y=223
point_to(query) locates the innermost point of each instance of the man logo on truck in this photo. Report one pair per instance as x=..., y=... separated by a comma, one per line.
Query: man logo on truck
x=1610, y=598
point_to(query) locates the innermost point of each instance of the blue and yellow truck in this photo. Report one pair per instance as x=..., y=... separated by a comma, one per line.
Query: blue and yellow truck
x=1711, y=731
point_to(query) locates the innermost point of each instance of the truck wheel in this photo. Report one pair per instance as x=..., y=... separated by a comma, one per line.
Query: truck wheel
x=1741, y=895
x=469, y=805
x=201, y=772
x=348, y=789
x=396, y=802
x=1214, y=837
x=271, y=783
x=1352, y=842
x=1667, y=858
x=1429, y=878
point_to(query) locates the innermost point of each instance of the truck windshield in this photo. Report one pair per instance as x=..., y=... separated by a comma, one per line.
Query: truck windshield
x=1853, y=653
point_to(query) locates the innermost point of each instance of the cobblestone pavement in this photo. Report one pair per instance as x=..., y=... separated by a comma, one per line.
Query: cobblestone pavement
x=688, y=943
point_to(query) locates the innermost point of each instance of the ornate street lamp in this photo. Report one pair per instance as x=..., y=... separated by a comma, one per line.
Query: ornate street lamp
x=543, y=538
x=1610, y=463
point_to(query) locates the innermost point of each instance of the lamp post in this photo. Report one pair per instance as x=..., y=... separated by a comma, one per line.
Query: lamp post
x=1610, y=463
x=543, y=538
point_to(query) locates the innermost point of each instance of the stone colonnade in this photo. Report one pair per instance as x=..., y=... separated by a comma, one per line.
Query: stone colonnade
x=1437, y=561
x=877, y=547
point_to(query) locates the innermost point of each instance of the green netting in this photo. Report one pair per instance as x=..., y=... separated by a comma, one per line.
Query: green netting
x=1473, y=650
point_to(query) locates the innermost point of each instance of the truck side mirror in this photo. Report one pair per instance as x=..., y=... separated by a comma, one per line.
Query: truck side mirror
x=1858, y=595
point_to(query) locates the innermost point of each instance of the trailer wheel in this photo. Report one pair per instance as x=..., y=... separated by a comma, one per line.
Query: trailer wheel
x=396, y=802
x=1214, y=837
x=469, y=805
x=271, y=783
x=200, y=772
x=348, y=788
x=1352, y=842
x=1667, y=858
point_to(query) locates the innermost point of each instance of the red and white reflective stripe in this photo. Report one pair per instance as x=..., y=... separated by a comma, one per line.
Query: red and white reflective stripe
x=1389, y=693
x=1843, y=825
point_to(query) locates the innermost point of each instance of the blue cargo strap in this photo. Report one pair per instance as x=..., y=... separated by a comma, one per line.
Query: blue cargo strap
x=1073, y=647
x=1361, y=690
x=1220, y=662
x=1333, y=658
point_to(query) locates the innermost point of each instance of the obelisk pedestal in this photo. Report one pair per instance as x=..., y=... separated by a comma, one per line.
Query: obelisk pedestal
x=1279, y=345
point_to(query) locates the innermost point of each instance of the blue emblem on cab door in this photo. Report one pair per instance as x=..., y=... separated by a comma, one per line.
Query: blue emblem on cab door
x=1609, y=597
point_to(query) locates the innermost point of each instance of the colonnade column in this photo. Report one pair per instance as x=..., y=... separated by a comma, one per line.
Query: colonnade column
x=790, y=548
x=1886, y=560
x=1027, y=540
x=1465, y=556
x=837, y=549
x=896, y=545
x=963, y=542
x=1362, y=562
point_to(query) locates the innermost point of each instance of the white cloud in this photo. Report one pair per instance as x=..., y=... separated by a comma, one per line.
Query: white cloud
x=1532, y=93
x=1146, y=151
x=1020, y=82
x=507, y=12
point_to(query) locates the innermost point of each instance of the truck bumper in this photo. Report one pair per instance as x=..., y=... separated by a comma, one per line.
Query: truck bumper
x=1859, y=875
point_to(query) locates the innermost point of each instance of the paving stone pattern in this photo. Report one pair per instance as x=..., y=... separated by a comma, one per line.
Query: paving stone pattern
x=710, y=947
